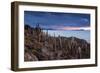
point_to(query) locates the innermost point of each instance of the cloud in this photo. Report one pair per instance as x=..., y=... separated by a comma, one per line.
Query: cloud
x=50, y=19
x=73, y=28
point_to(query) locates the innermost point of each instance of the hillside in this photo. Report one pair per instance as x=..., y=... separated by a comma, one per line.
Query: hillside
x=40, y=46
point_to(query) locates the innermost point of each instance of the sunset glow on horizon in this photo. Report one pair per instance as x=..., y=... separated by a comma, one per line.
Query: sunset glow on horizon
x=74, y=28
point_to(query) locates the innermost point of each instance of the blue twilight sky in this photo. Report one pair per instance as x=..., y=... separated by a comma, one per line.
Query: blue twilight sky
x=57, y=23
x=53, y=20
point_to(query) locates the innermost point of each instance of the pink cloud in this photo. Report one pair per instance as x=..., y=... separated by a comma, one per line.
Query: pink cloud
x=73, y=28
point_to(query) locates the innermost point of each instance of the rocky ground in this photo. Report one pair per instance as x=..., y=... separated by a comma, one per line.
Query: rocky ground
x=40, y=46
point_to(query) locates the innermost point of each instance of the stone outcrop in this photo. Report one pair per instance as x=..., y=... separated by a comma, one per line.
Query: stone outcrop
x=40, y=46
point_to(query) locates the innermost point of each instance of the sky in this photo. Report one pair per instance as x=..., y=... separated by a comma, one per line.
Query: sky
x=64, y=24
x=57, y=21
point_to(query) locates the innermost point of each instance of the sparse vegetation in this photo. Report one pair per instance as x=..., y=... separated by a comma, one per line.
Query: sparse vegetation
x=40, y=46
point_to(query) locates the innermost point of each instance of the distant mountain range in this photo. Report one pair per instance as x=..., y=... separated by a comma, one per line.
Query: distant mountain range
x=40, y=46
